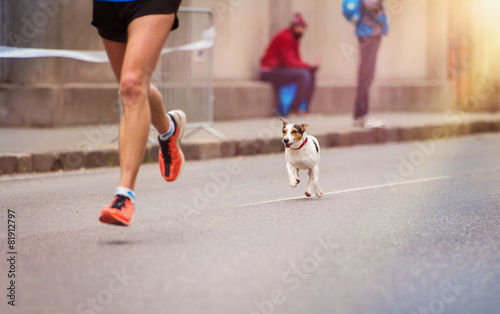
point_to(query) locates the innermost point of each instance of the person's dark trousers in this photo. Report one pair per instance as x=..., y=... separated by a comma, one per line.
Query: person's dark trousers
x=304, y=78
x=369, y=47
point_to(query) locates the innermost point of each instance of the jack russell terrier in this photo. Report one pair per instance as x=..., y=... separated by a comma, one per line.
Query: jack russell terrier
x=301, y=153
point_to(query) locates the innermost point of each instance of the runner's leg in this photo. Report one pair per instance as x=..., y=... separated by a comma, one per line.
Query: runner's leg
x=146, y=36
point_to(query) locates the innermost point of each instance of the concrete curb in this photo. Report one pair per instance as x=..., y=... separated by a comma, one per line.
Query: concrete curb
x=11, y=163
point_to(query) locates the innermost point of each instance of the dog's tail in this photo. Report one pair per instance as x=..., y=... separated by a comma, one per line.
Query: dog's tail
x=315, y=141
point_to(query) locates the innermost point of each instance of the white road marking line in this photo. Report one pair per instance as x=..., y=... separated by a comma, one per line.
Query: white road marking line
x=348, y=191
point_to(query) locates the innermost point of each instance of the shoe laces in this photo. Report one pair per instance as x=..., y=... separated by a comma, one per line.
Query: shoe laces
x=166, y=150
x=119, y=202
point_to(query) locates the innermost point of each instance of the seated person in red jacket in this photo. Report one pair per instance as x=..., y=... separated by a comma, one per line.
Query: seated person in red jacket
x=282, y=64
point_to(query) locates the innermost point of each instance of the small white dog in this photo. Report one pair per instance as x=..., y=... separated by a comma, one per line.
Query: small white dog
x=301, y=153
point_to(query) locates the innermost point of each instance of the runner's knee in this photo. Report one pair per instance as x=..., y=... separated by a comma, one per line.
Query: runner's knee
x=132, y=89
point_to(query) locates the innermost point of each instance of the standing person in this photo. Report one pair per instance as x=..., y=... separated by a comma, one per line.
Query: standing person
x=282, y=64
x=369, y=30
x=133, y=32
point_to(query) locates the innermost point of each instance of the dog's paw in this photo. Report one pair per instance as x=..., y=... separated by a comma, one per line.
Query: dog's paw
x=318, y=191
x=308, y=194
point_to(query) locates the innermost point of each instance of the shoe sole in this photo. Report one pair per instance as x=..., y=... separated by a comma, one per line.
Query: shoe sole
x=109, y=218
x=180, y=118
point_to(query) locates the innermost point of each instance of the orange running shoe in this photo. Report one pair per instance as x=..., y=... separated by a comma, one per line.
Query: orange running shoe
x=170, y=157
x=119, y=212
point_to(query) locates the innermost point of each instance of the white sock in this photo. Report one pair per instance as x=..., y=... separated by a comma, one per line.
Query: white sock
x=170, y=131
x=121, y=190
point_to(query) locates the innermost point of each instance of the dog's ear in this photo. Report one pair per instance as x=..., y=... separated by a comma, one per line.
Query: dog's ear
x=303, y=127
x=284, y=122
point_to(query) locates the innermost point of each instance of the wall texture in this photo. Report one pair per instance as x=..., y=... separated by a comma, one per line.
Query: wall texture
x=52, y=91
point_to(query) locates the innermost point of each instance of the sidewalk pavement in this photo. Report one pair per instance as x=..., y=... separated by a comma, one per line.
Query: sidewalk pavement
x=24, y=150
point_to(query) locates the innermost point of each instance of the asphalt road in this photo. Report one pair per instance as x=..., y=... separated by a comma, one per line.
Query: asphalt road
x=402, y=228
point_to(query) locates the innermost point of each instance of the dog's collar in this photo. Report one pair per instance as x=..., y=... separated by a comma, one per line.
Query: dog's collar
x=304, y=143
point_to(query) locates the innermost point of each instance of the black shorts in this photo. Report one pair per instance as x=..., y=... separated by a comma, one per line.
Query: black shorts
x=112, y=18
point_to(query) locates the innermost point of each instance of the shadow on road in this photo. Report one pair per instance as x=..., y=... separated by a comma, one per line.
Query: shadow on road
x=118, y=242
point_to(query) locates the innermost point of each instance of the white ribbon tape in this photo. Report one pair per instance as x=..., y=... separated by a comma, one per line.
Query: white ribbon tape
x=98, y=56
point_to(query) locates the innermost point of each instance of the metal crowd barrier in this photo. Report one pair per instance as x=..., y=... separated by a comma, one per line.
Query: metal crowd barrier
x=185, y=78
